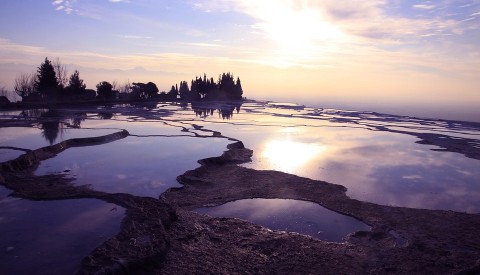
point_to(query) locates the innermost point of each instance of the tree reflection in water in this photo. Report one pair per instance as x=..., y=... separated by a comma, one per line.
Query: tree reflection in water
x=53, y=122
x=51, y=125
x=225, y=110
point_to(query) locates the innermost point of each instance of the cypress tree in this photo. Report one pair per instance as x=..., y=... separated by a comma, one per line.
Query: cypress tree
x=238, y=90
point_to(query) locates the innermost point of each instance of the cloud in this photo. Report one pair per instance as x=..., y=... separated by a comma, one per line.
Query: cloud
x=366, y=36
x=64, y=5
x=10, y=49
x=372, y=19
x=208, y=45
x=424, y=7
x=134, y=37
x=119, y=1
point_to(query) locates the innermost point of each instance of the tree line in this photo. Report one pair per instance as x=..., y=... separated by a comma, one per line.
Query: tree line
x=226, y=88
x=51, y=83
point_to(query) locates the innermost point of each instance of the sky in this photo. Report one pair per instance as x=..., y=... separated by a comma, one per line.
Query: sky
x=364, y=50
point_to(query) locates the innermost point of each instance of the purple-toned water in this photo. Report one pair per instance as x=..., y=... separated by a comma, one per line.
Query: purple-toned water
x=384, y=159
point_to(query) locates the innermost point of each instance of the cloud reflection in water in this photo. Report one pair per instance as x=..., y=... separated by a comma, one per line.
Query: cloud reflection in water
x=290, y=215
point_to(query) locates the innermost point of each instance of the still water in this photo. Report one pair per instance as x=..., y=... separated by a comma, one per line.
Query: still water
x=290, y=215
x=377, y=157
x=52, y=237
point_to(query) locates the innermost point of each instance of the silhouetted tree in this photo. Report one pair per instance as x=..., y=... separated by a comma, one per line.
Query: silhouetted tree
x=227, y=86
x=24, y=85
x=238, y=92
x=151, y=90
x=76, y=87
x=184, y=90
x=105, y=90
x=46, y=81
x=144, y=91
x=90, y=94
x=208, y=89
x=125, y=87
x=60, y=72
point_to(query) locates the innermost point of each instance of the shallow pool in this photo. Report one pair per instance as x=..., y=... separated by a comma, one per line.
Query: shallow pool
x=303, y=217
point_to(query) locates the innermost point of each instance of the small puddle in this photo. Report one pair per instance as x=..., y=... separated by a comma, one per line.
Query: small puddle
x=52, y=237
x=303, y=217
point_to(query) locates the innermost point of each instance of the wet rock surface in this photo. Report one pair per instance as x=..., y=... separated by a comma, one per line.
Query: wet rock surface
x=402, y=241
x=163, y=236
x=142, y=238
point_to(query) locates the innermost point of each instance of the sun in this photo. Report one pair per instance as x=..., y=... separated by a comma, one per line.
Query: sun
x=298, y=33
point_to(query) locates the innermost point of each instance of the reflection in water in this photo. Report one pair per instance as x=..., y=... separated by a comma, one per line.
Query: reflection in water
x=379, y=167
x=77, y=119
x=286, y=155
x=145, y=166
x=290, y=215
x=51, y=125
x=40, y=237
x=105, y=115
x=353, y=149
x=32, y=113
x=225, y=111
x=52, y=122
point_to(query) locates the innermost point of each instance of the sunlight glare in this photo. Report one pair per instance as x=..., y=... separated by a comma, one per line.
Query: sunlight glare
x=299, y=33
x=288, y=156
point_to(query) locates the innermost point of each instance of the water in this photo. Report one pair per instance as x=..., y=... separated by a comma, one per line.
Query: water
x=363, y=152
x=141, y=166
x=52, y=237
x=376, y=156
x=290, y=215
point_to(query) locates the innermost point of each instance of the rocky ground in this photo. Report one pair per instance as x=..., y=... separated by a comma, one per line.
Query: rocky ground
x=164, y=236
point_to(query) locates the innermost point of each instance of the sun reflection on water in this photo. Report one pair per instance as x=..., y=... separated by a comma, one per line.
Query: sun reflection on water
x=288, y=156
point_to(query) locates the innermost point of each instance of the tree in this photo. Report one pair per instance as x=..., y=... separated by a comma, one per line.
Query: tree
x=151, y=90
x=144, y=91
x=115, y=85
x=24, y=85
x=125, y=87
x=238, y=90
x=207, y=89
x=227, y=87
x=60, y=72
x=76, y=87
x=173, y=93
x=183, y=91
x=46, y=81
x=105, y=90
